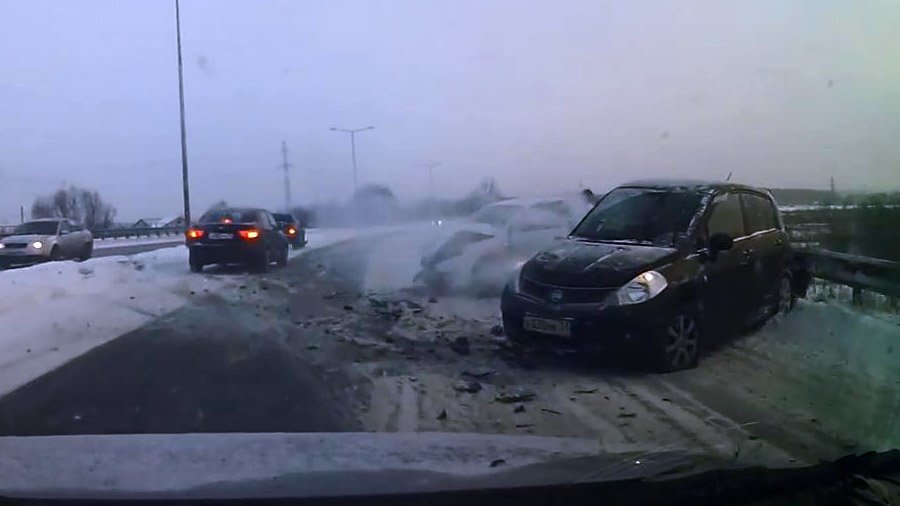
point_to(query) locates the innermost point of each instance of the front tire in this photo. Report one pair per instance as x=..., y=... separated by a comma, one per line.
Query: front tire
x=784, y=298
x=679, y=343
x=55, y=255
x=88, y=251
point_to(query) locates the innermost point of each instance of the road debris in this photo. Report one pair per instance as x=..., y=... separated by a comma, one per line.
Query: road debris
x=442, y=415
x=470, y=387
x=515, y=395
x=461, y=345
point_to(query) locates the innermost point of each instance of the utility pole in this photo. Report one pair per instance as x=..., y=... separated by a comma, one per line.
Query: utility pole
x=431, y=166
x=184, y=160
x=352, y=132
x=21, y=214
x=287, y=177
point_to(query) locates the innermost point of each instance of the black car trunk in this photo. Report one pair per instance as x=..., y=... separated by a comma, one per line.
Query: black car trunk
x=220, y=233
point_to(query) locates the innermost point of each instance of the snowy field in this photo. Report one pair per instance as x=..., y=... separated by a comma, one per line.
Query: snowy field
x=53, y=312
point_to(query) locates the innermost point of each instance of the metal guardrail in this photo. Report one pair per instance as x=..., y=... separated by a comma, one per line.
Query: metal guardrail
x=121, y=233
x=858, y=272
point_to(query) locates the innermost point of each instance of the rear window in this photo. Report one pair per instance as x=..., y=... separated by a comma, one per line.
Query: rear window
x=283, y=218
x=226, y=215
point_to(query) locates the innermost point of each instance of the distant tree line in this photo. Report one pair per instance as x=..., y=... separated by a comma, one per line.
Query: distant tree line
x=81, y=205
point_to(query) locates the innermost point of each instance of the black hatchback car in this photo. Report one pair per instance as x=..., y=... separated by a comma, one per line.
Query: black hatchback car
x=658, y=267
x=291, y=228
x=236, y=236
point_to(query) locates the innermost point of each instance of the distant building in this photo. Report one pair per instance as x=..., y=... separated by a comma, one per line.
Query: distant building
x=175, y=221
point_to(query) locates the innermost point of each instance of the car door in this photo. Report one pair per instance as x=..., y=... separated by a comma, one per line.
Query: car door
x=727, y=274
x=274, y=240
x=768, y=245
x=66, y=240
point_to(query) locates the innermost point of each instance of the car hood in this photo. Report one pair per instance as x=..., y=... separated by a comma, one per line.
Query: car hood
x=22, y=239
x=323, y=464
x=594, y=264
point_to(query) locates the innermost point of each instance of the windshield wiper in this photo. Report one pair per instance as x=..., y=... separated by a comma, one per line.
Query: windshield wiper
x=637, y=242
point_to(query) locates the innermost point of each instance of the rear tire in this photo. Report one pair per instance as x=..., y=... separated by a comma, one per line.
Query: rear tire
x=195, y=263
x=678, y=345
x=262, y=263
x=283, y=258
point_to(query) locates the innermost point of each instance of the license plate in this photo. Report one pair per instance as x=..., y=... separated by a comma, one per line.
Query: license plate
x=562, y=328
x=220, y=236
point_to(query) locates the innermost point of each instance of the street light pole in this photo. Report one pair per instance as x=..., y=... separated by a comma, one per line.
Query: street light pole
x=184, y=160
x=352, y=132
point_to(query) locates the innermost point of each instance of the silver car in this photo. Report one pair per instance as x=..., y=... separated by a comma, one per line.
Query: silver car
x=43, y=240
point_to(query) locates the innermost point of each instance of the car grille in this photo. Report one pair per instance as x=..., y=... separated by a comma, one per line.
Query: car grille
x=15, y=245
x=562, y=294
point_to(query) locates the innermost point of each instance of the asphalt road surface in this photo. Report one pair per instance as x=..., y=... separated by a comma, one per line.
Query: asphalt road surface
x=306, y=348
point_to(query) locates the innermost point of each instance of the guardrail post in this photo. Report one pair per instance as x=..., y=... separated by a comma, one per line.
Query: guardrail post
x=857, y=296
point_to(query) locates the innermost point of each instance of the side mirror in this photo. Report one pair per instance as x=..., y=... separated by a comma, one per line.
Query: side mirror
x=63, y=232
x=720, y=242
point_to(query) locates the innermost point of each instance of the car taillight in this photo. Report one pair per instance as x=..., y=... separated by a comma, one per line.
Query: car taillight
x=291, y=230
x=194, y=233
x=248, y=234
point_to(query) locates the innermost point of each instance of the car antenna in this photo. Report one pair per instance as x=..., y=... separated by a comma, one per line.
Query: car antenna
x=729, y=177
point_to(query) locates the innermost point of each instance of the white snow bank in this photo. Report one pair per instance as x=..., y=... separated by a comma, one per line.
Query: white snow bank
x=51, y=313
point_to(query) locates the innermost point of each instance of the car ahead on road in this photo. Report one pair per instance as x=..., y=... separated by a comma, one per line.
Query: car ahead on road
x=291, y=228
x=659, y=267
x=45, y=240
x=481, y=253
x=236, y=236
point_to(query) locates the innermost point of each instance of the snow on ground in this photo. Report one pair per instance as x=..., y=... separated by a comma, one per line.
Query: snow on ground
x=53, y=312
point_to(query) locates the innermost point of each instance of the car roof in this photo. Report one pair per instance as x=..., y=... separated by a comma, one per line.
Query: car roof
x=237, y=210
x=700, y=185
x=47, y=220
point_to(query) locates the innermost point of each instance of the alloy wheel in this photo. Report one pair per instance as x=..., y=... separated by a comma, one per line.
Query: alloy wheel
x=682, y=342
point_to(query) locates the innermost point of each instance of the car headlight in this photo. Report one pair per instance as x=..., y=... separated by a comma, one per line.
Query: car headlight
x=37, y=245
x=2, y=245
x=513, y=282
x=642, y=288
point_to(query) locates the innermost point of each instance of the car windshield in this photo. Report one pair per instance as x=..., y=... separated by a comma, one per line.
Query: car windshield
x=229, y=216
x=37, y=228
x=640, y=215
x=401, y=244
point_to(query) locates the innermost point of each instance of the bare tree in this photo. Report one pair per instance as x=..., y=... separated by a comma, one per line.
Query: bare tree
x=77, y=204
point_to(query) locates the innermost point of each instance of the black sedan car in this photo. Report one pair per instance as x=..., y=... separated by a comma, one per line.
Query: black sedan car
x=236, y=236
x=292, y=229
x=659, y=268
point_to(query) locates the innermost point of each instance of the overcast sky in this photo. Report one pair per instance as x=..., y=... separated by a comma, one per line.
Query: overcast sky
x=542, y=95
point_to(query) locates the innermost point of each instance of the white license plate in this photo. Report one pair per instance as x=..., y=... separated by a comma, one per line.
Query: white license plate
x=561, y=328
x=220, y=236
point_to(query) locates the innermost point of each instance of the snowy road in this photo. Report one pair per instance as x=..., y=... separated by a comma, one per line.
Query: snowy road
x=332, y=343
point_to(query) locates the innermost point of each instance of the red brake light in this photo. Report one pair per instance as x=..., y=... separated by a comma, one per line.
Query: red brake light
x=226, y=221
x=248, y=234
x=194, y=233
x=291, y=230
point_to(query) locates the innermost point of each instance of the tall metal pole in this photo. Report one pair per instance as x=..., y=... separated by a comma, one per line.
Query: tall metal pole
x=287, y=178
x=352, y=133
x=184, y=160
x=353, y=155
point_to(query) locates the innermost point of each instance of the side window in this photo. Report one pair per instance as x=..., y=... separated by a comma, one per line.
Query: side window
x=759, y=214
x=268, y=221
x=726, y=216
x=64, y=227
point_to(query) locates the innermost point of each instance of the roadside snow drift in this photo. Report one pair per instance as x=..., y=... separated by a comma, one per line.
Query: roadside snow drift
x=53, y=312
